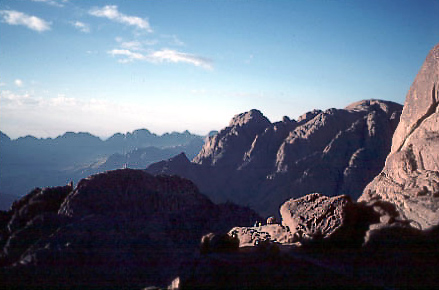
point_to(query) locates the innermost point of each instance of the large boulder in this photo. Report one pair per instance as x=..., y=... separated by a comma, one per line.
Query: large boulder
x=316, y=215
x=410, y=178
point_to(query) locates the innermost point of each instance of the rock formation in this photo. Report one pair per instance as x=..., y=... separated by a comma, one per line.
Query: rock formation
x=410, y=178
x=123, y=228
x=261, y=164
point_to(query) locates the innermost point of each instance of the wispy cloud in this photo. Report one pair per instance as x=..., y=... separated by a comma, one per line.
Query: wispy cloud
x=169, y=55
x=52, y=2
x=164, y=55
x=111, y=12
x=13, y=17
x=83, y=27
x=18, y=83
x=136, y=45
x=128, y=55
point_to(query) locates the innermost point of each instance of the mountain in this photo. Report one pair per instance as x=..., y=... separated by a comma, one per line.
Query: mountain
x=29, y=162
x=118, y=229
x=410, y=178
x=261, y=164
x=386, y=240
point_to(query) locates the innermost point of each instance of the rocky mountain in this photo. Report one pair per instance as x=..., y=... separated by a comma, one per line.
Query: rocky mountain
x=261, y=164
x=410, y=178
x=119, y=229
x=29, y=162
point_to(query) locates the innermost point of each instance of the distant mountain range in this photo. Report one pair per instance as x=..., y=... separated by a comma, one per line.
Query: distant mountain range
x=29, y=162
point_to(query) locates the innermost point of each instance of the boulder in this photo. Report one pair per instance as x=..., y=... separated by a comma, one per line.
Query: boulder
x=317, y=217
x=219, y=243
x=410, y=177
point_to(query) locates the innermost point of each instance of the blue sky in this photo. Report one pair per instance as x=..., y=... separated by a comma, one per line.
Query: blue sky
x=116, y=66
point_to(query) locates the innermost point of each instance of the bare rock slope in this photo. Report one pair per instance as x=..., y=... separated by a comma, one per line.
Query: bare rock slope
x=261, y=164
x=410, y=178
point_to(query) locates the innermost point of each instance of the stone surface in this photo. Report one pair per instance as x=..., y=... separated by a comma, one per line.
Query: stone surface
x=261, y=164
x=410, y=178
x=251, y=236
x=316, y=215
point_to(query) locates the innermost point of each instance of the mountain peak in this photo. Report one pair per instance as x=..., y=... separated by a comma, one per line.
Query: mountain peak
x=252, y=116
x=367, y=105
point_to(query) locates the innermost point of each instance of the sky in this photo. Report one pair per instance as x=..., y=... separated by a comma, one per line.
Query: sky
x=116, y=66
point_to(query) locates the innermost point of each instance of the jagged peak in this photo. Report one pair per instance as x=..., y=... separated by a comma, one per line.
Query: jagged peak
x=180, y=158
x=252, y=116
x=308, y=116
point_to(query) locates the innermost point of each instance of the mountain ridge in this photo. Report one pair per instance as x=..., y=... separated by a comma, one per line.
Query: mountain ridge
x=258, y=163
x=29, y=162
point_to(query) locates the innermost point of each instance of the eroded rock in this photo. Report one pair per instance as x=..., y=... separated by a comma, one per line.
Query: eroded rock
x=410, y=178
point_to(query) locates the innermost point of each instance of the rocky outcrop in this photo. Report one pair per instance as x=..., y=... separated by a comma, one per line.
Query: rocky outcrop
x=410, y=178
x=261, y=164
x=123, y=228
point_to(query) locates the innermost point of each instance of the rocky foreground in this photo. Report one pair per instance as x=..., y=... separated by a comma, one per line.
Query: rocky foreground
x=121, y=229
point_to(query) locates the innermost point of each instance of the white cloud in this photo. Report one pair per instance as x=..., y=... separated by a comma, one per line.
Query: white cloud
x=18, y=83
x=169, y=55
x=129, y=55
x=52, y=2
x=18, y=18
x=111, y=12
x=164, y=55
x=83, y=27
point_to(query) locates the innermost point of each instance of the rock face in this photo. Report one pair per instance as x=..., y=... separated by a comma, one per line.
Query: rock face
x=410, y=178
x=261, y=164
x=123, y=228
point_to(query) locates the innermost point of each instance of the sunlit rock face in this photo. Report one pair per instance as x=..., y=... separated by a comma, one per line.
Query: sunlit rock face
x=262, y=164
x=410, y=178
